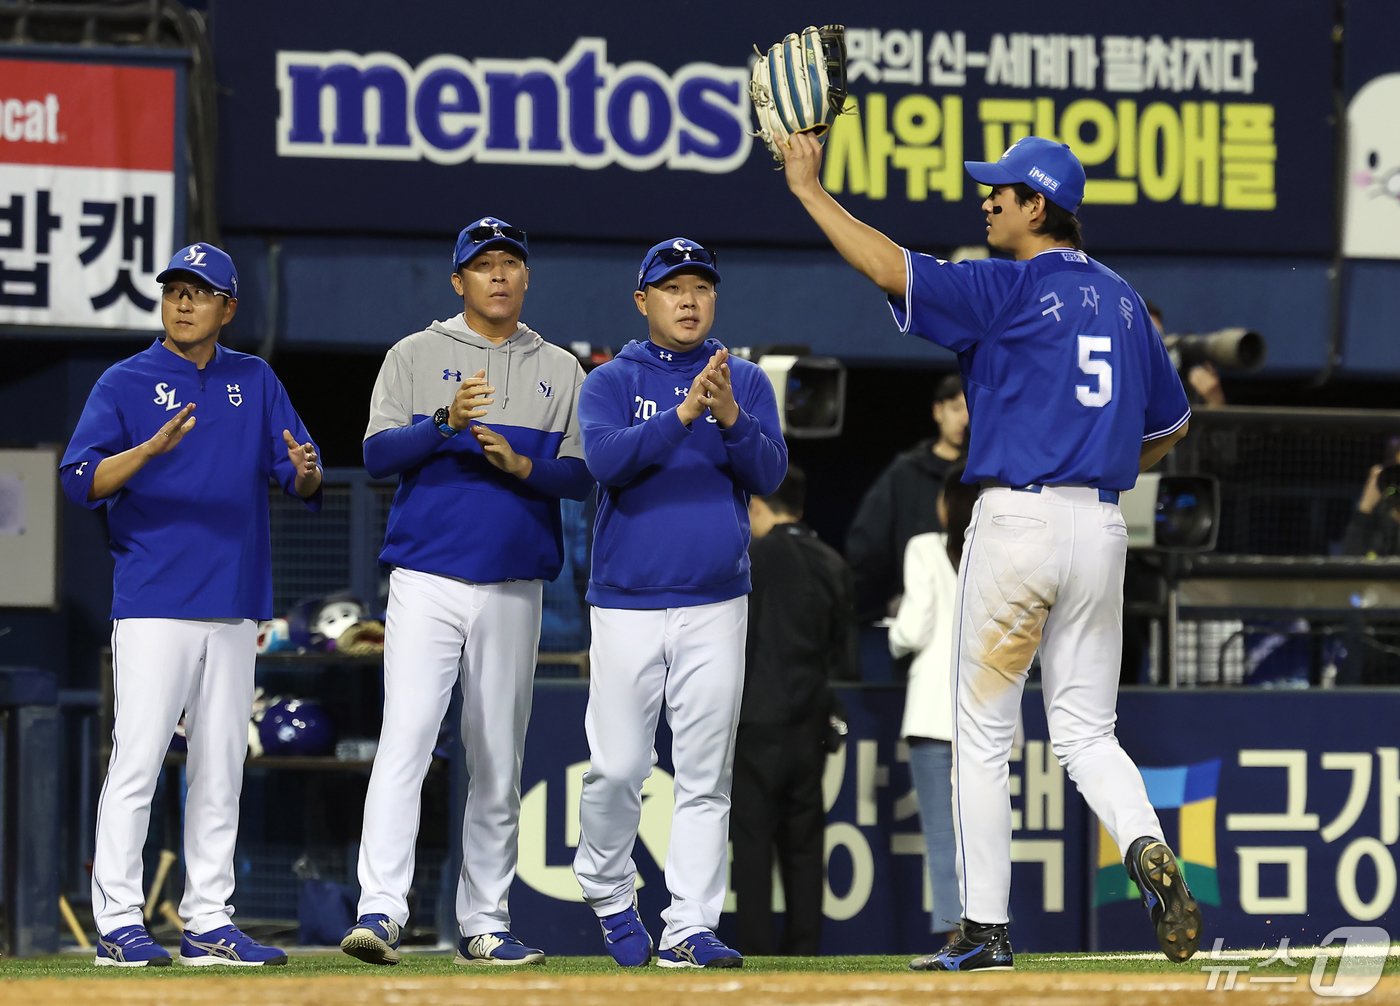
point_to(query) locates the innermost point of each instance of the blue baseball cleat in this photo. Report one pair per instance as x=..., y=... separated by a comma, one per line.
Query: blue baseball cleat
x=373, y=939
x=700, y=950
x=976, y=948
x=227, y=946
x=130, y=947
x=1176, y=918
x=626, y=938
x=500, y=949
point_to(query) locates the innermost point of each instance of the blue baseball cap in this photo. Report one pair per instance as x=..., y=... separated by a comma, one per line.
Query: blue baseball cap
x=673, y=255
x=1046, y=166
x=208, y=263
x=487, y=233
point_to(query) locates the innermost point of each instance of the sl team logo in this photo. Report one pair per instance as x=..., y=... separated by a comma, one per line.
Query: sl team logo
x=165, y=395
x=580, y=111
x=1191, y=791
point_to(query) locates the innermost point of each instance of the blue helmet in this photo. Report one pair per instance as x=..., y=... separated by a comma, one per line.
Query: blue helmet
x=296, y=727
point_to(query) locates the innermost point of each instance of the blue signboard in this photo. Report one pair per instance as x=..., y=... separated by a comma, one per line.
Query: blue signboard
x=1194, y=120
x=1283, y=806
x=877, y=898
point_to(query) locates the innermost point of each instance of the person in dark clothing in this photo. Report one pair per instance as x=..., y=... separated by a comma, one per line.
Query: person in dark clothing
x=801, y=636
x=1374, y=528
x=901, y=503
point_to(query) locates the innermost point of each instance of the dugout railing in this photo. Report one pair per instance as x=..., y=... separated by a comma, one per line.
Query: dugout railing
x=1277, y=603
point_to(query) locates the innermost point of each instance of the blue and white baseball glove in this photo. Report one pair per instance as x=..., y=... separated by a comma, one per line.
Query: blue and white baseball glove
x=799, y=86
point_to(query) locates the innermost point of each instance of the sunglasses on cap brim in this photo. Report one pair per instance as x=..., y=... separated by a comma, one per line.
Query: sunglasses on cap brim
x=487, y=232
x=684, y=256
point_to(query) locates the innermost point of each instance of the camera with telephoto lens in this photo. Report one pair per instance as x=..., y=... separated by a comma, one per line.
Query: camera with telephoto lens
x=1231, y=348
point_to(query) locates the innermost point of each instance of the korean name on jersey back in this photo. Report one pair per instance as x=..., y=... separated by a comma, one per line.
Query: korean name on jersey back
x=580, y=111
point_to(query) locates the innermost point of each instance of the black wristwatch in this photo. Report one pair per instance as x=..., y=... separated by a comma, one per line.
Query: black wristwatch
x=440, y=418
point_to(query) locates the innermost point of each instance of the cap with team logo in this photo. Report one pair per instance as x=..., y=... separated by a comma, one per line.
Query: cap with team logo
x=485, y=234
x=208, y=263
x=1046, y=166
x=674, y=255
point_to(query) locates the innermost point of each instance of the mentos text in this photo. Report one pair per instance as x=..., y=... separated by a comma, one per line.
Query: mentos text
x=581, y=111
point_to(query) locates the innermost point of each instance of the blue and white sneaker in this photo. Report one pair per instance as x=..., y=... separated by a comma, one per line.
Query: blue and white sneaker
x=700, y=950
x=500, y=949
x=228, y=946
x=626, y=938
x=130, y=947
x=373, y=939
x=975, y=948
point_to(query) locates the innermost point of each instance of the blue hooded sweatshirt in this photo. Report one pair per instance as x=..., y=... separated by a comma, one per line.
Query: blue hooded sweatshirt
x=673, y=504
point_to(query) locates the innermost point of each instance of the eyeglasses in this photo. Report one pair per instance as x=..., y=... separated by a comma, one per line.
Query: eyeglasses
x=488, y=231
x=199, y=296
x=680, y=256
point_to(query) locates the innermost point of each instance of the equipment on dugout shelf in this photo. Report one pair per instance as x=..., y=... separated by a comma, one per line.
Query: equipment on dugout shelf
x=317, y=623
x=274, y=636
x=296, y=727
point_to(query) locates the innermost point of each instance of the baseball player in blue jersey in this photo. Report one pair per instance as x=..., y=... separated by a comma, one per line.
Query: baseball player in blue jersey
x=473, y=532
x=177, y=444
x=678, y=435
x=1070, y=394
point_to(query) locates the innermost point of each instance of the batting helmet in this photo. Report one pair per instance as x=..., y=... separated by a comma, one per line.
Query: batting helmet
x=317, y=622
x=296, y=727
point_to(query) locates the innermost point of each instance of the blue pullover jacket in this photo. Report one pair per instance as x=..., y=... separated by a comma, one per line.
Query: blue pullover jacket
x=673, y=519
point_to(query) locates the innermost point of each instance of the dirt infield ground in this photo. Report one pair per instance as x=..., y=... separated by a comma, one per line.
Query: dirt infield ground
x=538, y=988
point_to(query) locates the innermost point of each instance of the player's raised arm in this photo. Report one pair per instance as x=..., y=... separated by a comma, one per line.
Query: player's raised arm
x=870, y=251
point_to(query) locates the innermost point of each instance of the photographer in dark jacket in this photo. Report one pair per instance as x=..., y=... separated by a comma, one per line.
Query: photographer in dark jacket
x=1374, y=528
x=801, y=636
x=901, y=503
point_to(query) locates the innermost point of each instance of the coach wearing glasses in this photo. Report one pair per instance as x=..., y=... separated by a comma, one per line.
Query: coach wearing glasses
x=678, y=435
x=177, y=444
x=477, y=417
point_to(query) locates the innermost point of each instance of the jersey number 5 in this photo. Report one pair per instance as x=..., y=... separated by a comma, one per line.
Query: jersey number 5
x=1100, y=370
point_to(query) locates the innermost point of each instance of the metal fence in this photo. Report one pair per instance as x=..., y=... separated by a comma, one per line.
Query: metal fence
x=1279, y=604
x=1289, y=478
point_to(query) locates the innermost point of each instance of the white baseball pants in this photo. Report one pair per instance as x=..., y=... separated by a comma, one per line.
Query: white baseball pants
x=692, y=659
x=162, y=667
x=440, y=632
x=1040, y=569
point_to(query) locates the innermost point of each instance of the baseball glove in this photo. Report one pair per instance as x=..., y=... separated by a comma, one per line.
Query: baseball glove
x=799, y=86
x=361, y=639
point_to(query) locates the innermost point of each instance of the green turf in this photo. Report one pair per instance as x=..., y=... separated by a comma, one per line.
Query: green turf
x=426, y=964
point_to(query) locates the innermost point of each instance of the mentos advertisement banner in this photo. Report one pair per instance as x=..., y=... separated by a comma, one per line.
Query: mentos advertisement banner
x=87, y=192
x=1284, y=808
x=1198, y=123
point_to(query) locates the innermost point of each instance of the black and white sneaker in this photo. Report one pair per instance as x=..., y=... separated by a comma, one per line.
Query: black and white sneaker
x=1175, y=915
x=977, y=948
